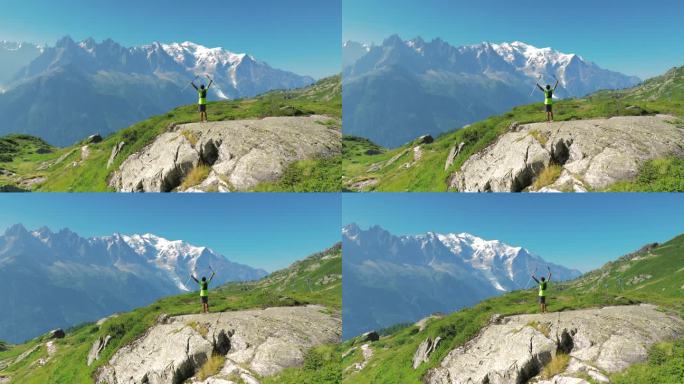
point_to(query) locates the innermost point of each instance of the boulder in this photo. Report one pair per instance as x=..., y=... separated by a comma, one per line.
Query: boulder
x=593, y=154
x=425, y=139
x=254, y=343
x=370, y=336
x=57, y=333
x=96, y=138
x=597, y=340
x=239, y=153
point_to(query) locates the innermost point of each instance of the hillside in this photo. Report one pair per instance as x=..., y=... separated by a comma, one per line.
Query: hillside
x=30, y=164
x=400, y=89
x=314, y=280
x=652, y=275
x=427, y=165
x=74, y=89
x=75, y=279
x=391, y=279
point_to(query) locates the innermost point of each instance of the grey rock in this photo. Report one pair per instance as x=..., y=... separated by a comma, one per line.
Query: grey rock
x=453, y=154
x=370, y=336
x=425, y=139
x=115, y=152
x=602, y=340
x=424, y=351
x=242, y=153
x=593, y=154
x=98, y=346
x=96, y=138
x=255, y=343
x=57, y=333
x=85, y=152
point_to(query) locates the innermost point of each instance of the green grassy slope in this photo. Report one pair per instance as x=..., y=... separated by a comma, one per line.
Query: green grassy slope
x=324, y=97
x=315, y=280
x=664, y=264
x=663, y=94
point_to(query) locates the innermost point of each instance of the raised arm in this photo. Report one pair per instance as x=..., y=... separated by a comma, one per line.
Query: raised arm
x=540, y=87
x=549, y=278
x=212, y=275
x=194, y=278
x=556, y=85
x=535, y=279
x=210, y=83
x=193, y=85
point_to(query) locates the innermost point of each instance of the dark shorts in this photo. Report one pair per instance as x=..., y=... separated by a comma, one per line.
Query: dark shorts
x=549, y=107
x=202, y=107
x=205, y=299
x=542, y=299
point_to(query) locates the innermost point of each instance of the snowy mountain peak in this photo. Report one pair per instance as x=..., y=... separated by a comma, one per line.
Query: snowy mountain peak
x=506, y=267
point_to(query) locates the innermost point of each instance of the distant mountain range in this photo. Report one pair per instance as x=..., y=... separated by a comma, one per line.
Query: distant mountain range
x=391, y=279
x=75, y=89
x=14, y=56
x=401, y=89
x=59, y=278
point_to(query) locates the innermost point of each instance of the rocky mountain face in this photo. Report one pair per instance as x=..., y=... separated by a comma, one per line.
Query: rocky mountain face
x=52, y=279
x=13, y=57
x=254, y=343
x=240, y=153
x=592, y=154
x=75, y=89
x=400, y=89
x=598, y=342
x=392, y=279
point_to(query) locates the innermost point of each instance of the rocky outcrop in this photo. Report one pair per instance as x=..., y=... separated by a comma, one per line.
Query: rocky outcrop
x=370, y=336
x=424, y=351
x=516, y=348
x=57, y=333
x=255, y=343
x=240, y=154
x=98, y=346
x=115, y=152
x=593, y=154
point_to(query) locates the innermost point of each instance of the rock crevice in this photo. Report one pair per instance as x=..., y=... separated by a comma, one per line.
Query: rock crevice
x=592, y=154
x=240, y=153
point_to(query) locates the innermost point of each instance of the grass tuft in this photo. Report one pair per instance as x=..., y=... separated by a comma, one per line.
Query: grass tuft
x=544, y=328
x=557, y=365
x=195, y=177
x=542, y=138
x=211, y=367
x=547, y=177
x=190, y=136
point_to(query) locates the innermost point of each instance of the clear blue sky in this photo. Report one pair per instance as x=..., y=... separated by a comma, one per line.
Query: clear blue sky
x=263, y=230
x=299, y=35
x=642, y=38
x=582, y=231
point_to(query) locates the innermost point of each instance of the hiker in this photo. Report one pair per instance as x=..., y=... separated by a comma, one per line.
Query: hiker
x=542, y=290
x=548, y=99
x=202, y=103
x=204, y=290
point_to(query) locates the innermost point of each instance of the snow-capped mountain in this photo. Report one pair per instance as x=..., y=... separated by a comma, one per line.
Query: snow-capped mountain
x=352, y=51
x=433, y=87
x=66, y=279
x=110, y=86
x=14, y=56
x=405, y=278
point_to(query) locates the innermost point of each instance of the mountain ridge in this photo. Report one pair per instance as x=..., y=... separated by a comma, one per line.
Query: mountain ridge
x=393, y=279
x=402, y=89
x=75, y=89
x=91, y=270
